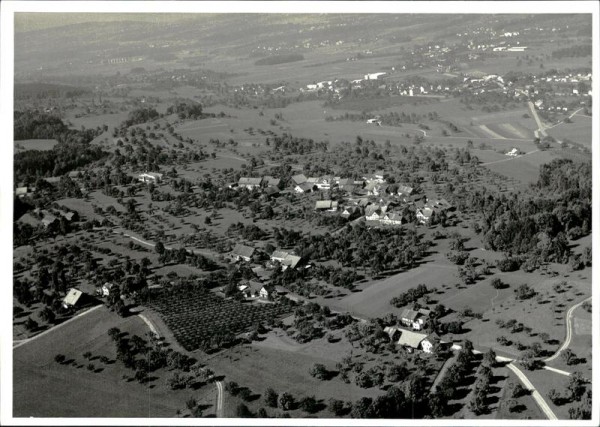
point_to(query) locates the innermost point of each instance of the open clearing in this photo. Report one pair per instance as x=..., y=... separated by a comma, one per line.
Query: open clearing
x=43, y=387
x=35, y=144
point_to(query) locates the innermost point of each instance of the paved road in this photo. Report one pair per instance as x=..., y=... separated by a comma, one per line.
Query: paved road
x=534, y=393
x=537, y=119
x=219, y=384
x=527, y=384
x=569, y=330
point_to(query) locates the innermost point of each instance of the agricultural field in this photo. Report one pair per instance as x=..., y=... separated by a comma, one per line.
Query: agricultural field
x=71, y=389
x=291, y=203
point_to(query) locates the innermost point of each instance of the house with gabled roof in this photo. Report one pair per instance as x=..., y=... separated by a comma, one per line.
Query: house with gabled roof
x=326, y=205
x=242, y=252
x=249, y=183
x=299, y=179
x=413, y=319
x=270, y=181
x=305, y=187
x=73, y=298
x=405, y=190
x=411, y=340
x=392, y=218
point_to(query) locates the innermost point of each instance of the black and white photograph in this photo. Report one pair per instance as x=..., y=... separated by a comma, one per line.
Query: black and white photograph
x=299, y=213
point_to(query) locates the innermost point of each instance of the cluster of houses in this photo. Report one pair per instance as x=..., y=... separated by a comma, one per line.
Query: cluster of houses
x=46, y=218
x=411, y=341
x=409, y=336
x=261, y=289
x=426, y=211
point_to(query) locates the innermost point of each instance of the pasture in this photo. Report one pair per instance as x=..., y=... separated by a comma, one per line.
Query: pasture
x=35, y=144
x=44, y=388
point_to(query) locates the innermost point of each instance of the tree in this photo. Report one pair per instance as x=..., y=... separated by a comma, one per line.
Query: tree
x=576, y=386
x=489, y=358
x=31, y=324
x=517, y=390
x=159, y=248
x=48, y=315
x=242, y=411
x=497, y=283
x=437, y=404
x=336, y=407
x=554, y=396
x=60, y=358
x=271, y=398
x=319, y=371
x=309, y=404
x=286, y=401
x=114, y=333
x=360, y=409
x=568, y=356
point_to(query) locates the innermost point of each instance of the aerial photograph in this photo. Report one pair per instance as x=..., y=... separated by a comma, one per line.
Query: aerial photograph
x=302, y=215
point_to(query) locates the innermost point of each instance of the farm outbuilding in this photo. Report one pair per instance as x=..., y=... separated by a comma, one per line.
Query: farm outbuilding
x=73, y=298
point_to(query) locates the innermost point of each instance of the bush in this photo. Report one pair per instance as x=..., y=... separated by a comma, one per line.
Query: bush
x=60, y=358
x=309, y=404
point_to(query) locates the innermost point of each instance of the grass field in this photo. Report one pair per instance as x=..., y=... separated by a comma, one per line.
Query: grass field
x=44, y=388
x=35, y=144
x=580, y=131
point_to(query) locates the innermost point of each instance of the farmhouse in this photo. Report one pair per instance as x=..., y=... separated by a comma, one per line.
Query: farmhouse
x=291, y=261
x=242, y=252
x=48, y=219
x=392, y=218
x=73, y=298
x=249, y=183
x=513, y=153
x=393, y=332
x=430, y=342
x=150, y=177
x=374, y=213
x=405, y=190
x=299, y=179
x=278, y=256
x=411, y=340
x=349, y=211
x=305, y=187
x=424, y=215
x=374, y=122
x=374, y=76
x=326, y=205
x=270, y=181
x=413, y=319
x=23, y=191
x=286, y=259
x=108, y=288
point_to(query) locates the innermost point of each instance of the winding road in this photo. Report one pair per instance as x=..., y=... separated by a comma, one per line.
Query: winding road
x=569, y=330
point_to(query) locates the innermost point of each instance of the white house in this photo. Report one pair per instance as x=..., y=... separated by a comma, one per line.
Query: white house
x=72, y=298
x=514, y=152
x=153, y=177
